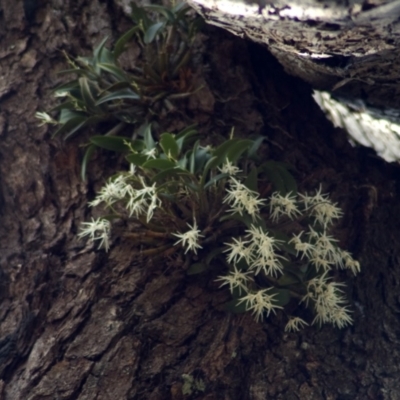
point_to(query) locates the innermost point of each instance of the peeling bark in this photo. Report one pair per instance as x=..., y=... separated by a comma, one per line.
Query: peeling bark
x=348, y=47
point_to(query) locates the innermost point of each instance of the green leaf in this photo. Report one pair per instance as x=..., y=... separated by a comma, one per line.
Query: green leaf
x=162, y=10
x=159, y=163
x=220, y=153
x=237, y=149
x=106, y=57
x=67, y=105
x=148, y=138
x=280, y=177
x=295, y=270
x=139, y=15
x=235, y=307
x=84, y=63
x=207, y=168
x=117, y=72
x=180, y=7
x=255, y=146
x=189, y=130
x=131, y=115
x=215, y=179
x=223, y=148
x=201, y=156
x=289, y=181
x=192, y=158
x=98, y=50
x=197, y=268
x=138, y=145
x=75, y=93
x=182, y=139
x=67, y=115
x=251, y=181
x=137, y=159
x=213, y=253
x=273, y=174
x=71, y=126
x=118, y=95
x=178, y=62
x=182, y=162
x=86, y=158
x=119, y=47
x=169, y=145
x=288, y=279
x=304, y=268
x=113, y=143
x=116, y=86
x=192, y=186
x=282, y=296
x=152, y=31
x=95, y=119
x=83, y=71
x=311, y=273
x=66, y=87
x=87, y=95
x=168, y=174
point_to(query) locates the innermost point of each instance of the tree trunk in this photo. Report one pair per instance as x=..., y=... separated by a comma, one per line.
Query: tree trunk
x=76, y=323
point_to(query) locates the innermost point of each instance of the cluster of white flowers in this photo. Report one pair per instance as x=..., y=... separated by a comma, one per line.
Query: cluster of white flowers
x=328, y=301
x=112, y=191
x=98, y=229
x=322, y=251
x=45, y=118
x=348, y=262
x=258, y=251
x=320, y=207
x=137, y=201
x=261, y=252
x=229, y=168
x=283, y=205
x=236, y=279
x=190, y=239
x=260, y=302
x=241, y=198
x=142, y=201
x=295, y=324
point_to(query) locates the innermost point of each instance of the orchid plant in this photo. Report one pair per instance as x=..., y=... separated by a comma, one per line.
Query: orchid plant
x=224, y=209
x=113, y=100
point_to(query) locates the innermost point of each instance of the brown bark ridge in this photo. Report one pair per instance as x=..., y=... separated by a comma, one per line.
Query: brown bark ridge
x=76, y=323
x=350, y=47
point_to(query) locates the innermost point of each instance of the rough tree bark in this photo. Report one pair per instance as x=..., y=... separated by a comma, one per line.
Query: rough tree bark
x=350, y=47
x=76, y=323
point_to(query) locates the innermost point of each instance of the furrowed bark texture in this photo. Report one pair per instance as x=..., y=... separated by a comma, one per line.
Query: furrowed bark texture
x=350, y=47
x=76, y=323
